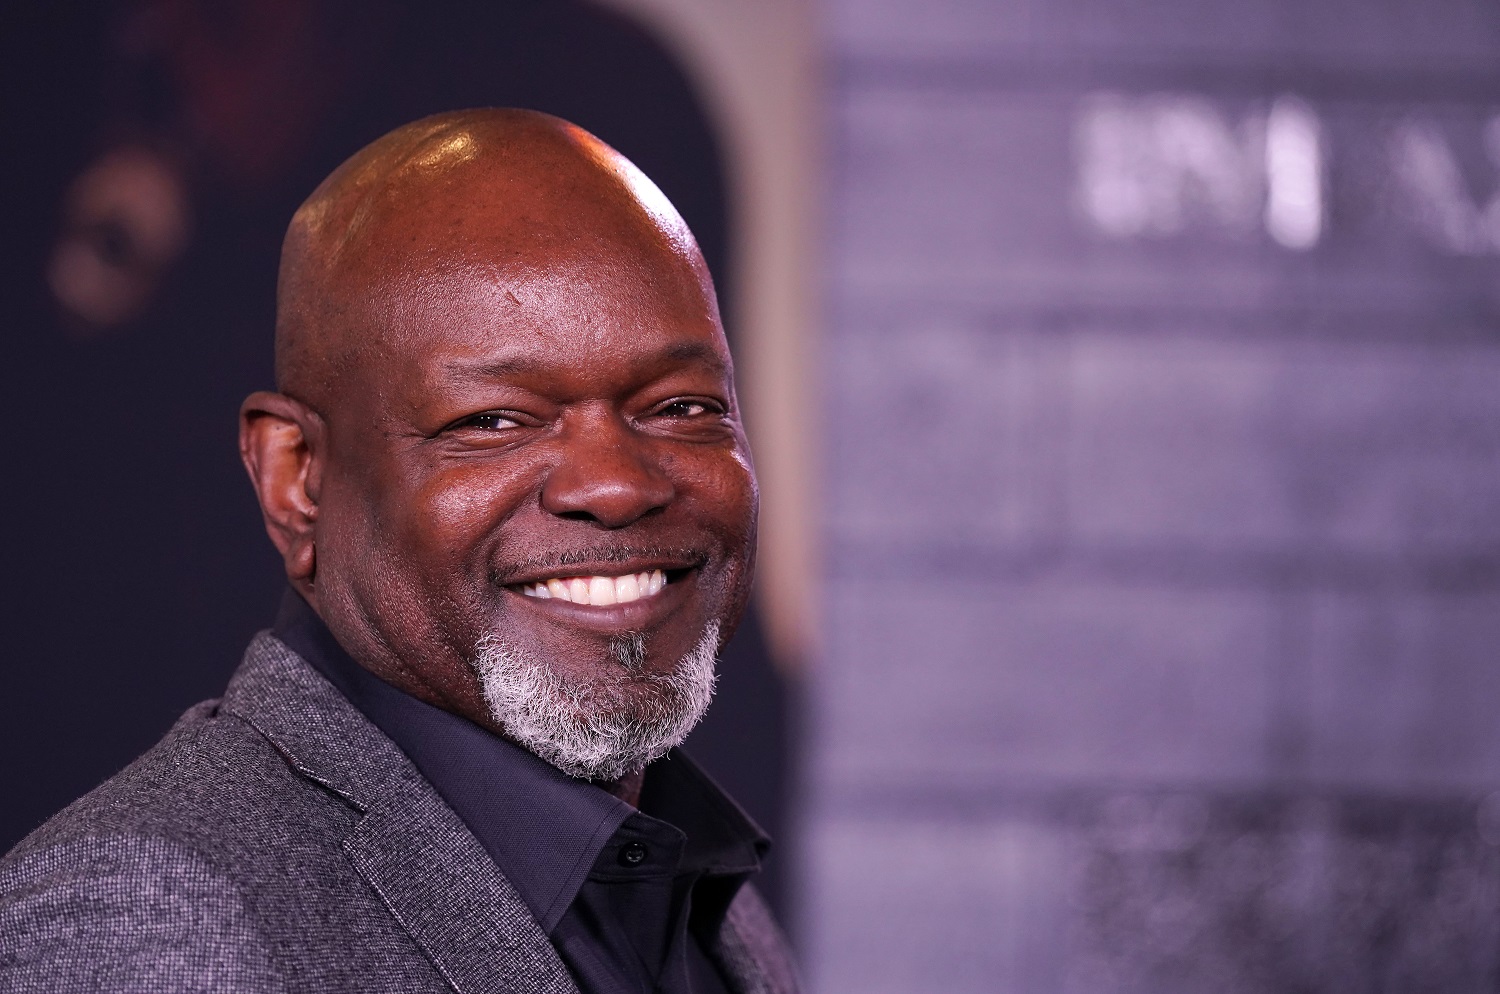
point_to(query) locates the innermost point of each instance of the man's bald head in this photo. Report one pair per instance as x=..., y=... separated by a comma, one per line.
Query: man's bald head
x=511, y=192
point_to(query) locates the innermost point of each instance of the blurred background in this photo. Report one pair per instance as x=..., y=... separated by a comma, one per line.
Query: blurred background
x=1123, y=380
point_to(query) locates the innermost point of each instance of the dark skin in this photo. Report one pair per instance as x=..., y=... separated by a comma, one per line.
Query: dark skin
x=500, y=361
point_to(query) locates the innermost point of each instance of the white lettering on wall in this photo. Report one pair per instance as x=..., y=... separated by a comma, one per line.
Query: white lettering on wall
x=1160, y=164
x=1438, y=197
x=1164, y=165
x=1294, y=174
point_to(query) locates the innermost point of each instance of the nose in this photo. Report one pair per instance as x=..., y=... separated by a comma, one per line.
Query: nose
x=607, y=474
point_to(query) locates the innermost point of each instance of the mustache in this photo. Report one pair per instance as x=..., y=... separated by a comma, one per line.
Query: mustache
x=557, y=561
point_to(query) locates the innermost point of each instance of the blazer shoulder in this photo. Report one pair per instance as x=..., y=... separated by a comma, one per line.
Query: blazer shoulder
x=123, y=912
x=213, y=785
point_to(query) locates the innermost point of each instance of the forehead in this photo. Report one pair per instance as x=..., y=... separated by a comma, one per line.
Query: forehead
x=591, y=320
x=595, y=316
x=586, y=274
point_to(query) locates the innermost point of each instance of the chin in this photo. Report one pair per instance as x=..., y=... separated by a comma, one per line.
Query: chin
x=606, y=728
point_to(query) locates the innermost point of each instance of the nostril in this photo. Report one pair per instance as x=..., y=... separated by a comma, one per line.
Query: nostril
x=596, y=519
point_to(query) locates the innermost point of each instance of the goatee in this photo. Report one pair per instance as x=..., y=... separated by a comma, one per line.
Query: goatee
x=602, y=729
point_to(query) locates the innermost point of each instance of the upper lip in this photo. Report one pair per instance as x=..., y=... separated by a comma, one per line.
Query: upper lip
x=601, y=566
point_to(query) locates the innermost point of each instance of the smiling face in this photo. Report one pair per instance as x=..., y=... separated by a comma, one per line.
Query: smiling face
x=522, y=446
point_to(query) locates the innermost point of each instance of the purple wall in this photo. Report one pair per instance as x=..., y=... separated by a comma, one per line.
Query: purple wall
x=1163, y=381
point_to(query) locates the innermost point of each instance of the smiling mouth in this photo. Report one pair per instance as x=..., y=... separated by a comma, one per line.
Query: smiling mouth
x=598, y=590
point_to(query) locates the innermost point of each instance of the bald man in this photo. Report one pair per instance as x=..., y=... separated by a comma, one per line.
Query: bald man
x=505, y=471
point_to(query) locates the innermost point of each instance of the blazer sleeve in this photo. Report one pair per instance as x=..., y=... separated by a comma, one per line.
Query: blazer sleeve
x=126, y=913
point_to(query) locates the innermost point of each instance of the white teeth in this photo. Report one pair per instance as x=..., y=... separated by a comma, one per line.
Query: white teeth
x=599, y=590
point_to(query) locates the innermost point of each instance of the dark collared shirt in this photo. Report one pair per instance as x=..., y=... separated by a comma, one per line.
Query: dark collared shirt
x=628, y=897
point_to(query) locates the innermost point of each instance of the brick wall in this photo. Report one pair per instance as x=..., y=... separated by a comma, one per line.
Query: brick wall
x=1163, y=515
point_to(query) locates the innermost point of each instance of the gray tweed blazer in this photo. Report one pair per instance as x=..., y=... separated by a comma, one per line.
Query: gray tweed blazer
x=275, y=840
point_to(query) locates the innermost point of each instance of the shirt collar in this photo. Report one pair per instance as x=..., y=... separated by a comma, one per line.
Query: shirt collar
x=543, y=828
x=721, y=837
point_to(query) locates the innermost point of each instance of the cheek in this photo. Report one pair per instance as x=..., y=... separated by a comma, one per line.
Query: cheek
x=428, y=550
x=452, y=511
x=741, y=484
x=726, y=495
x=732, y=499
x=452, y=503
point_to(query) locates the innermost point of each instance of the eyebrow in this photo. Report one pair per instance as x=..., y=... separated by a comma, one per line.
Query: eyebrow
x=503, y=368
x=696, y=352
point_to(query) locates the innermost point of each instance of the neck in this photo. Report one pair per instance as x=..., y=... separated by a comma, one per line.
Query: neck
x=627, y=788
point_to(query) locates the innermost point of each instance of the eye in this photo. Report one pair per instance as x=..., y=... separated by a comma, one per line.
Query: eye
x=485, y=421
x=688, y=407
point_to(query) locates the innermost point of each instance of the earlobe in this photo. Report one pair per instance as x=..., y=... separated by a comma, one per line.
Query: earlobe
x=281, y=447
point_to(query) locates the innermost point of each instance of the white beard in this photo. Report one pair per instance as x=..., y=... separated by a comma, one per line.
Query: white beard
x=602, y=730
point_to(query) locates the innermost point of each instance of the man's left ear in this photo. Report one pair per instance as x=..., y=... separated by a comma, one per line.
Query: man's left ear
x=281, y=447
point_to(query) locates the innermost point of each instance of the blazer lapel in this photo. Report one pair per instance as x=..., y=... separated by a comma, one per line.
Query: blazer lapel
x=421, y=859
x=447, y=893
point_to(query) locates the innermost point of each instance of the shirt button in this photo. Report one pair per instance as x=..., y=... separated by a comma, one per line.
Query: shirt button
x=632, y=854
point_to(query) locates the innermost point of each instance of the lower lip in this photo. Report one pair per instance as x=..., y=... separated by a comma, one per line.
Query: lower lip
x=637, y=615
